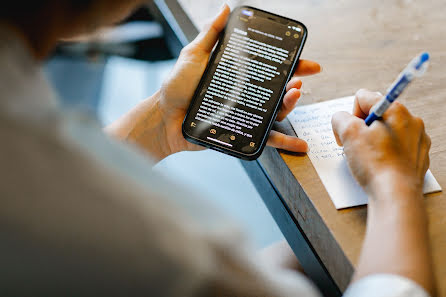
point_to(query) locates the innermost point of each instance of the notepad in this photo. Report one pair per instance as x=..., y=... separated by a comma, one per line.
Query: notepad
x=313, y=124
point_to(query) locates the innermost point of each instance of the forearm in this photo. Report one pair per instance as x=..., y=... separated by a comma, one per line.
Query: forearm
x=397, y=240
x=144, y=126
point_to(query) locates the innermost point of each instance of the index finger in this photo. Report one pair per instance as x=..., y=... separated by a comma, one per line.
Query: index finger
x=364, y=101
x=346, y=127
x=307, y=67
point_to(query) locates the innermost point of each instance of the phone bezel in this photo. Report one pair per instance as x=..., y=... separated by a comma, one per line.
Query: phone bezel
x=258, y=152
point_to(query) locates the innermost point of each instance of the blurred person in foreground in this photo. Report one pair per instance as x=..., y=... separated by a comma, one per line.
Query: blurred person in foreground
x=83, y=214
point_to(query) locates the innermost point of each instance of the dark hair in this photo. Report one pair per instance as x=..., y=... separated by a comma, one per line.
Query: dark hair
x=18, y=9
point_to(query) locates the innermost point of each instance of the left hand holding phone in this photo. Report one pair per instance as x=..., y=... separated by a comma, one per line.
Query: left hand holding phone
x=163, y=113
x=179, y=89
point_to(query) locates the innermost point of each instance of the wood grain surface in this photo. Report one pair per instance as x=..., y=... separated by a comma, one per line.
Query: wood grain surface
x=360, y=44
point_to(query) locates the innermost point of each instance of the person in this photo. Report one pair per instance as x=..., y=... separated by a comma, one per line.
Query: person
x=83, y=214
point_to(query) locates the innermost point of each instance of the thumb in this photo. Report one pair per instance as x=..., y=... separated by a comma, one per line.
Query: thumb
x=207, y=39
x=346, y=126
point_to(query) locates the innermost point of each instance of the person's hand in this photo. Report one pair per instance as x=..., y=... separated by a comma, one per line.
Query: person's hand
x=177, y=92
x=389, y=159
x=392, y=150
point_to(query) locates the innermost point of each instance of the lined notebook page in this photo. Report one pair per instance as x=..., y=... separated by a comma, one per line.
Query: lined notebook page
x=313, y=124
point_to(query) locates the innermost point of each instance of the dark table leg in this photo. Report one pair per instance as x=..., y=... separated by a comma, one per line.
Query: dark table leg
x=290, y=228
x=179, y=30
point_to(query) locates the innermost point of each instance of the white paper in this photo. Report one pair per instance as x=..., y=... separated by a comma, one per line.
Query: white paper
x=313, y=124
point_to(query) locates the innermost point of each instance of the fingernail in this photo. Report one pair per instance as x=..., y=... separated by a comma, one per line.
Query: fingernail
x=223, y=7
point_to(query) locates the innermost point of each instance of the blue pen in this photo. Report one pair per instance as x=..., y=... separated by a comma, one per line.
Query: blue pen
x=416, y=68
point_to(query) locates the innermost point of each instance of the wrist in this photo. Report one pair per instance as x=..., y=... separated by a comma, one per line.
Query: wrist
x=396, y=200
x=395, y=188
x=149, y=128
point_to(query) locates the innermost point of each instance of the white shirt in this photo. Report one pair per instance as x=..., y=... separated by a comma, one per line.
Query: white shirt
x=83, y=215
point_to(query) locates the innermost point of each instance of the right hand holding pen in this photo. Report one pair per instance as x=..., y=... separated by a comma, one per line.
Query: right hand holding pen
x=393, y=150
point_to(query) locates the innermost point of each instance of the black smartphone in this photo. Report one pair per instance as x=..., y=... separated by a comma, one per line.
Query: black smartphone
x=239, y=95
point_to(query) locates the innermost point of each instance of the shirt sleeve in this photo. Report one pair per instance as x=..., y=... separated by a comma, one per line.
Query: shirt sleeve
x=385, y=285
x=103, y=223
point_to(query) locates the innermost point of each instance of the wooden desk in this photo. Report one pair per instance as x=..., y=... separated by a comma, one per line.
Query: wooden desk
x=361, y=44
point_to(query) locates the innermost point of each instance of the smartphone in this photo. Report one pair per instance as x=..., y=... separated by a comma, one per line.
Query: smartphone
x=240, y=93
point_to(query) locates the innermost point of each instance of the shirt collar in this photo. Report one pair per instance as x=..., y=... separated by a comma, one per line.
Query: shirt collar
x=24, y=90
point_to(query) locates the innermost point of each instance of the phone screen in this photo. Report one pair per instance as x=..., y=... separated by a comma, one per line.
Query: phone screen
x=239, y=95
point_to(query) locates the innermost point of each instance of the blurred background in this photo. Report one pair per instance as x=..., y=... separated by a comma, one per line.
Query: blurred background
x=112, y=72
